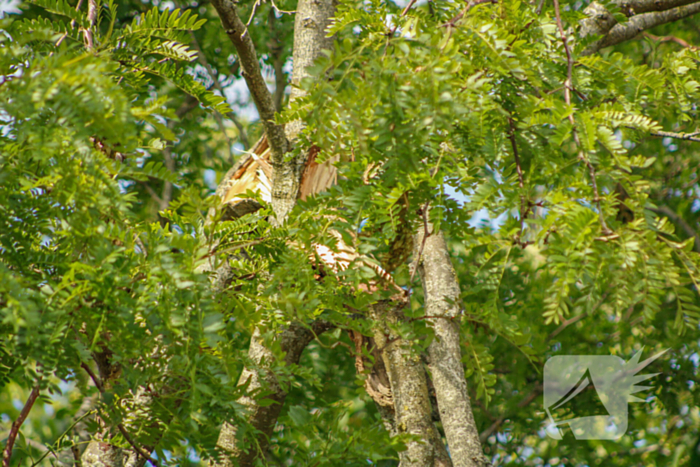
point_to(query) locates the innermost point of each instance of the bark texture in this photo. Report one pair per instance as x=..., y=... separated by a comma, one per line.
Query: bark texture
x=102, y=454
x=442, y=298
x=409, y=387
x=644, y=14
x=293, y=341
x=250, y=66
x=312, y=19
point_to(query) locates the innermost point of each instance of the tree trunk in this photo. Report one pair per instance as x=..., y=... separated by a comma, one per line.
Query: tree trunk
x=293, y=341
x=312, y=19
x=442, y=298
x=409, y=387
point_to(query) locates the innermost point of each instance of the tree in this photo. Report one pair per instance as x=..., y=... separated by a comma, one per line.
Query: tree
x=444, y=196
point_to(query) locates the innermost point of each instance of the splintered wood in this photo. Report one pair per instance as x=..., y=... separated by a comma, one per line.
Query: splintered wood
x=253, y=172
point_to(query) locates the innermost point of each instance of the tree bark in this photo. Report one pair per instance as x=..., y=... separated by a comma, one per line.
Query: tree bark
x=655, y=13
x=312, y=19
x=442, y=298
x=293, y=341
x=409, y=388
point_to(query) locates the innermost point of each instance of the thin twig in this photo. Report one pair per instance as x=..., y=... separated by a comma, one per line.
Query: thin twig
x=141, y=246
x=569, y=60
x=121, y=428
x=675, y=39
x=689, y=231
x=93, y=377
x=537, y=390
x=538, y=11
x=684, y=136
x=408, y=7
x=281, y=12
x=568, y=86
x=451, y=23
x=92, y=17
x=577, y=318
x=151, y=192
x=448, y=318
x=404, y=12
x=250, y=20
x=17, y=424
x=137, y=448
x=524, y=208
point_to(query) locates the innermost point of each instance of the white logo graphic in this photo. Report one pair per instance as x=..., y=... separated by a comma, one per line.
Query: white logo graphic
x=606, y=382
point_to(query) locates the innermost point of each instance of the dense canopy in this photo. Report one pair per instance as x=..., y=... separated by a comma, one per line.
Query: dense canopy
x=344, y=233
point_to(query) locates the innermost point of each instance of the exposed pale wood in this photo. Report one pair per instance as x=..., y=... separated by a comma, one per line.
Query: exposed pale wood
x=253, y=172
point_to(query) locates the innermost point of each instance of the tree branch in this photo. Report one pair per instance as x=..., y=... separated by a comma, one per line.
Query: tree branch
x=277, y=58
x=636, y=7
x=252, y=74
x=100, y=387
x=684, y=136
x=409, y=389
x=499, y=421
x=442, y=299
x=675, y=39
x=17, y=424
x=92, y=17
x=312, y=19
x=601, y=22
x=292, y=341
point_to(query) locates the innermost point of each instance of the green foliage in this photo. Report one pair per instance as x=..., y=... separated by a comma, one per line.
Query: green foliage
x=112, y=246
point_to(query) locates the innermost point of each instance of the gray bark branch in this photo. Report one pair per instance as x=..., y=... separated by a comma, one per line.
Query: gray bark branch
x=292, y=341
x=409, y=387
x=312, y=19
x=252, y=74
x=442, y=298
x=601, y=22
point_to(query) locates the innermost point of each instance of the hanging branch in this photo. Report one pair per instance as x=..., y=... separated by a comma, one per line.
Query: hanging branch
x=17, y=424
